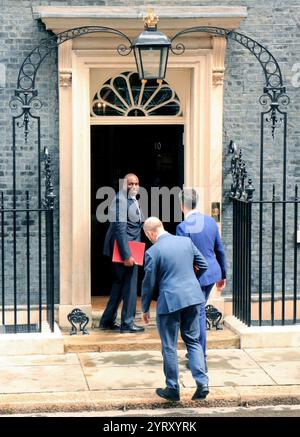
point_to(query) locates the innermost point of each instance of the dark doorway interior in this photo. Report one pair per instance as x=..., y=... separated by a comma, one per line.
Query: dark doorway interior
x=153, y=153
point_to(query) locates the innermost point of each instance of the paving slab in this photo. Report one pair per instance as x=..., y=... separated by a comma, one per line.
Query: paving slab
x=124, y=377
x=233, y=378
x=283, y=372
x=39, y=360
x=229, y=359
x=25, y=379
x=128, y=358
x=133, y=358
x=275, y=354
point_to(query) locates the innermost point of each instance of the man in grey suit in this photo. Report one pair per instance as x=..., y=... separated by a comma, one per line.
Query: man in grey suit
x=169, y=266
x=125, y=225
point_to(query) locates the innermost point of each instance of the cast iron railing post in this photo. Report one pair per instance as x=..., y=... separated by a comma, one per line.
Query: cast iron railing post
x=50, y=268
x=242, y=197
x=234, y=272
x=249, y=193
x=49, y=209
x=295, y=253
x=28, y=257
x=273, y=258
x=2, y=259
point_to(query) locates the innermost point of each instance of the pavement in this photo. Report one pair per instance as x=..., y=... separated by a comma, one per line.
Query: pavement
x=125, y=380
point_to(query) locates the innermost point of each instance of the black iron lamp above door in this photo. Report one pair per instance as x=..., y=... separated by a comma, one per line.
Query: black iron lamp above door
x=151, y=50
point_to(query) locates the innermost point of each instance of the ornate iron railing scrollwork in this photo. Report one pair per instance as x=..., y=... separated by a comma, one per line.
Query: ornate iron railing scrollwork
x=24, y=103
x=78, y=316
x=49, y=198
x=239, y=174
x=273, y=100
x=269, y=64
x=30, y=66
x=26, y=92
x=274, y=92
x=25, y=98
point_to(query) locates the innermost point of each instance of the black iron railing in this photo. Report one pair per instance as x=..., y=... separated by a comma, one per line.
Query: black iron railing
x=265, y=260
x=27, y=259
x=26, y=267
x=241, y=267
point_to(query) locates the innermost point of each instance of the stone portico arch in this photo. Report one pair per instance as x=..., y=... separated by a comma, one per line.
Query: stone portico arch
x=197, y=77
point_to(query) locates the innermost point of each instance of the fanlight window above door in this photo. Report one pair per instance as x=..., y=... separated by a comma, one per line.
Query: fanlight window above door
x=126, y=95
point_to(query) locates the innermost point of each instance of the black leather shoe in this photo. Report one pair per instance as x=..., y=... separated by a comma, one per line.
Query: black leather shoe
x=133, y=329
x=201, y=393
x=171, y=394
x=112, y=327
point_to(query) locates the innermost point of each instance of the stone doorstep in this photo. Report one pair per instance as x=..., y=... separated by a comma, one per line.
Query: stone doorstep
x=107, y=341
x=104, y=400
x=104, y=341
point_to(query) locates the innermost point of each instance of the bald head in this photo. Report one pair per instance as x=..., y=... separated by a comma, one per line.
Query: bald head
x=153, y=224
x=152, y=228
x=129, y=175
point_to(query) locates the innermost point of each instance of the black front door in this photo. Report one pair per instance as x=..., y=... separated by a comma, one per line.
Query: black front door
x=153, y=153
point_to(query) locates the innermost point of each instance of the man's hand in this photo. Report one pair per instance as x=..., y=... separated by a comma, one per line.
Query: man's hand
x=129, y=262
x=221, y=284
x=146, y=318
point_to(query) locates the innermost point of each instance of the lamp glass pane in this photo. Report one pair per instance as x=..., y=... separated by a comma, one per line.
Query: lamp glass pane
x=163, y=61
x=151, y=62
x=138, y=62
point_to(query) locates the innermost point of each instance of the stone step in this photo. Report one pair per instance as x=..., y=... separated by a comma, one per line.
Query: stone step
x=106, y=341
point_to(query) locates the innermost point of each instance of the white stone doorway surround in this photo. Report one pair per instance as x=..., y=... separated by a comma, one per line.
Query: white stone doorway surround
x=197, y=78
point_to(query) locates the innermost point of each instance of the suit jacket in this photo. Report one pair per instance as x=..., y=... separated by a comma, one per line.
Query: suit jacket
x=125, y=224
x=169, y=266
x=204, y=233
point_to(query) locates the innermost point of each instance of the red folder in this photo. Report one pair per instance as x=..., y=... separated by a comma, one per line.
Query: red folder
x=137, y=250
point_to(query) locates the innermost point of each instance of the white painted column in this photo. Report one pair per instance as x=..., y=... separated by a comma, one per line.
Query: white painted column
x=215, y=161
x=216, y=144
x=75, y=191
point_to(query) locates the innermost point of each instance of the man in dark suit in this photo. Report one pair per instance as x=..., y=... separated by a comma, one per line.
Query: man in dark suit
x=126, y=220
x=204, y=233
x=169, y=266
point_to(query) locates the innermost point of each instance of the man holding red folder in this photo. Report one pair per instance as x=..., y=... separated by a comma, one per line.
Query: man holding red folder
x=126, y=222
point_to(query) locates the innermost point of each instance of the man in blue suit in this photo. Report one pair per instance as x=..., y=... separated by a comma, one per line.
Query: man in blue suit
x=169, y=267
x=125, y=225
x=204, y=233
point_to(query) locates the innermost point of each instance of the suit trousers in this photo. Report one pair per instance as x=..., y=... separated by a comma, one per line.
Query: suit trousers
x=187, y=321
x=124, y=288
x=206, y=289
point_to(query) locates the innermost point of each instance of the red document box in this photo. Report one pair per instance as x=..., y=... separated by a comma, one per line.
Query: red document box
x=137, y=250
